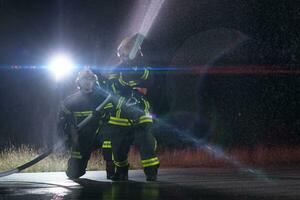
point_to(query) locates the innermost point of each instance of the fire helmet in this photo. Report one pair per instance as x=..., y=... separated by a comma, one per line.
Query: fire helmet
x=130, y=47
x=86, y=81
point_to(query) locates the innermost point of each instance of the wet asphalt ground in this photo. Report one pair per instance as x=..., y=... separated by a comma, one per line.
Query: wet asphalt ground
x=189, y=183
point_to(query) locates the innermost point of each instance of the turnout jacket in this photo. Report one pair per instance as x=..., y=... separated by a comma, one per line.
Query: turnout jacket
x=129, y=84
x=77, y=107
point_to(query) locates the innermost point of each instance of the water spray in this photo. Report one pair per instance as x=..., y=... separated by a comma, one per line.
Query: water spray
x=216, y=152
x=151, y=14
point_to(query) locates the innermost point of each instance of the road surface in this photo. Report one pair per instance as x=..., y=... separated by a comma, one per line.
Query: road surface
x=188, y=183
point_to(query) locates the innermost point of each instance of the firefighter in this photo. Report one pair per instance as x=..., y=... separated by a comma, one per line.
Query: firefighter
x=73, y=110
x=131, y=120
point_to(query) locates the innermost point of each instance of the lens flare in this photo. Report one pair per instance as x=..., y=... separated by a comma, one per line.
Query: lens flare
x=61, y=65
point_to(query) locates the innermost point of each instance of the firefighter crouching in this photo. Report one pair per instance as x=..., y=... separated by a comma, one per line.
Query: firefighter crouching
x=130, y=120
x=73, y=110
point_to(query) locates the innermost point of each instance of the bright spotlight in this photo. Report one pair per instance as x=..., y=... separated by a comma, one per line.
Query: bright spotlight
x=61, y=66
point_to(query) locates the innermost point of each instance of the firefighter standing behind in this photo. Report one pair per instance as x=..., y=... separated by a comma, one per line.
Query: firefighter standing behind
x=73, y=110
x=131, y=121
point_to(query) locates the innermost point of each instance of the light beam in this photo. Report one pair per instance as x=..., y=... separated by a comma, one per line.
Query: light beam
x=60, y=66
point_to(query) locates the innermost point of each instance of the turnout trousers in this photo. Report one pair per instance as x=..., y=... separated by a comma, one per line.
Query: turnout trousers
x=122, y=137
x=81, y=152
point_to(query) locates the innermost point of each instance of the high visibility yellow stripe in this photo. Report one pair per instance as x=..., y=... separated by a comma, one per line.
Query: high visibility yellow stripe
x=125, y=162
x=145, y=75
x=106, y=144
x=126, y=122
x=145, y=121
x=114, y=88
x=118, y=113
x=146, y=117
x=122, y=81
x=75, y=156
x=145, y=105
x=151, y=164
x=119, y=119
x=132, y=83
x=149, y=160
x=83, y=113
x=119, y=123
x=121, y=164
x=75, y=152
x=148, y=107
x=109, y=105
x=121, y=99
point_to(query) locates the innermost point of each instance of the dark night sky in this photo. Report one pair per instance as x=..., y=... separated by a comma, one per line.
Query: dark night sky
x=227, y=109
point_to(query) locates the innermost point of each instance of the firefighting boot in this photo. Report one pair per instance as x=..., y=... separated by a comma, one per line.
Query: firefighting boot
x=121, y=174
x=110, y=169
x=151, y=173
x=76, y=168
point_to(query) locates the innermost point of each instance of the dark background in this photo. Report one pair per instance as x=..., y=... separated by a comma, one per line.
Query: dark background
x=230, y=109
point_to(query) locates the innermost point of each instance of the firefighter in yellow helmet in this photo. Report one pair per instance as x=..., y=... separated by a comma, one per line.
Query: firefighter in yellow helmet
x=74, y=109
x=131, y=120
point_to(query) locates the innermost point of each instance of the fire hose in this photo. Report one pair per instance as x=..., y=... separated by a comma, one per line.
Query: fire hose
x=56, y=146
